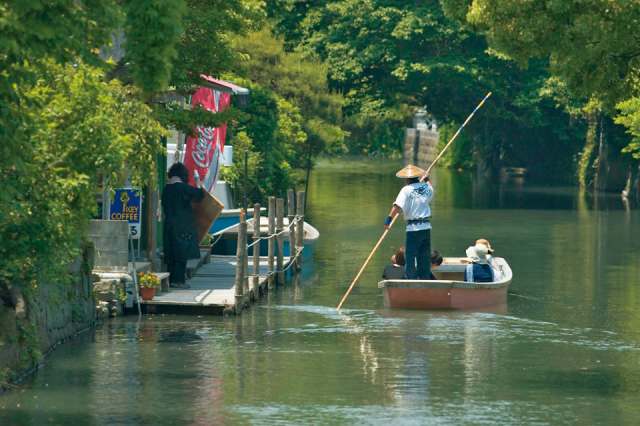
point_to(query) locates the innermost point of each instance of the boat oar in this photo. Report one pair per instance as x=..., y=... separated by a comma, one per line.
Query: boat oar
x=365, y=263
x=394, y=219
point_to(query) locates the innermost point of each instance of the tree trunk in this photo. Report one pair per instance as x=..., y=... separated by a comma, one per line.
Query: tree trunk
x=585, y=172
x=602, y=172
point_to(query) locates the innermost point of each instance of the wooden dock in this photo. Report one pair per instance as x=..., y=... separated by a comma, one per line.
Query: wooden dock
x=212, y=289
x=228, y=284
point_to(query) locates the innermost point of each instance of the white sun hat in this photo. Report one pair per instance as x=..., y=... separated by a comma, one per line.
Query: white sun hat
x=478, y=254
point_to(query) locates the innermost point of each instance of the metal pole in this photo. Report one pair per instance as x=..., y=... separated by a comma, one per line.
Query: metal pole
x=291, y=215
x=271, y=279
x=280, y=240
x=135, y=274
x=246, y=160
x=255, y=291
x=300, y=231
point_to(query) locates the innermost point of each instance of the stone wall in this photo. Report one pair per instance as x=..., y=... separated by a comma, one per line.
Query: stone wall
x=420, y=146
x=32, y=323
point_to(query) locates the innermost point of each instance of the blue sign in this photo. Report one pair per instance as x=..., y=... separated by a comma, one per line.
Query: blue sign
x=126, y=205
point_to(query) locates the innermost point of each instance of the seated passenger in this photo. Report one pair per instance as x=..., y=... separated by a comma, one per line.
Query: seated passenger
x=436, y=260
x=490, y=259
x=396, y=270
x=479, y=270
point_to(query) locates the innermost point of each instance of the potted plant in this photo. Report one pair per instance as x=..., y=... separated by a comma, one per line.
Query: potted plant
x=148, y=283
x=205, y=244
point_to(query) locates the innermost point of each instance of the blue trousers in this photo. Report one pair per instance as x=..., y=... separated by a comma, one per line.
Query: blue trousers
x=417, y=250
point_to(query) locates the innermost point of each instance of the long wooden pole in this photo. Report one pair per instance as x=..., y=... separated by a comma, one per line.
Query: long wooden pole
x=366, y=262
x=394, y=219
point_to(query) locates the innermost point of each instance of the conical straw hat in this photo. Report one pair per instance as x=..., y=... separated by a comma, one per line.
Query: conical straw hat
x=410, y=172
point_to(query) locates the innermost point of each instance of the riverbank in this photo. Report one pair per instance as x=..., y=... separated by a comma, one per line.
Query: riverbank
x=36, y=320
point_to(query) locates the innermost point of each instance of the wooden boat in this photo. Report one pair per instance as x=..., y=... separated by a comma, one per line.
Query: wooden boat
x=449, y=291
x=230, y=217
x=226, y=240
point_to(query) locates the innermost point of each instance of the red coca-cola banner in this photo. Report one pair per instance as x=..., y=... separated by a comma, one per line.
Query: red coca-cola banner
x=203, y=153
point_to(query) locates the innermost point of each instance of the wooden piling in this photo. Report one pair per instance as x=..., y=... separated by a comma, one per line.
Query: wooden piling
x=271, y=280
x=280, y=239
x=245, y=284
x=241, y=254
x=291, y=215
x=300, y=230
x=255, y=288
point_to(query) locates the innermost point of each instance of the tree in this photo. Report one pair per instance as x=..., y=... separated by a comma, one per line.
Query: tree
x=79, y=128
x=271, y=132
x=590, y=46
x=300, y=81
x=389, y=57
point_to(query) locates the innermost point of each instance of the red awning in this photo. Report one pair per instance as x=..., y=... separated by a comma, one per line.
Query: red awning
x=223, y=86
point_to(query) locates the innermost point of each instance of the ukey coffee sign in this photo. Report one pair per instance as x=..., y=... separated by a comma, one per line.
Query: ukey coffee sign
x=126, y=205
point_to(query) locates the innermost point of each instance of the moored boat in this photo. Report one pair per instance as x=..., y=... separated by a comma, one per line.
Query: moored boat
x=230, y=217
x=226, y=240
x=449, y=290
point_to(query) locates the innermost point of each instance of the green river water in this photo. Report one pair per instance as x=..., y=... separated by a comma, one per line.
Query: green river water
x=564, y=349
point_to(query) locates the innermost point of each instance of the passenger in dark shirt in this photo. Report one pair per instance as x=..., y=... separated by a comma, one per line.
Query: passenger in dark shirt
x=479, y=271
x=436, y=260
x=395, y=271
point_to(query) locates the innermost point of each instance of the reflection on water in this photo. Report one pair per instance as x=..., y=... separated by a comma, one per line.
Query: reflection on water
x=564, y=349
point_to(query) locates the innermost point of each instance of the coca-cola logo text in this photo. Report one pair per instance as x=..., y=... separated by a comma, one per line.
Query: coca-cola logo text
x=203, y=147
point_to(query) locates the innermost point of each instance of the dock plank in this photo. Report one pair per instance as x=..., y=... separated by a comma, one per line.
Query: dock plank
x=212, y=284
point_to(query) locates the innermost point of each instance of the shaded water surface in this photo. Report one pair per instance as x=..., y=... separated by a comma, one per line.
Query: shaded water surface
x=564, y=349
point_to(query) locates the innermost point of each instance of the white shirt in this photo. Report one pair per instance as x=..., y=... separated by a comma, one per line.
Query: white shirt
x=414, y=199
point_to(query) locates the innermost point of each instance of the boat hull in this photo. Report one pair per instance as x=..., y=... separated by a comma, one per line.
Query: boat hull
x=229, y=218
x=451, y=293
x=455, y=298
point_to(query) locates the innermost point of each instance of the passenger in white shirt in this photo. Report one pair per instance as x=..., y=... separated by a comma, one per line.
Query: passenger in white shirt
x=413, y=200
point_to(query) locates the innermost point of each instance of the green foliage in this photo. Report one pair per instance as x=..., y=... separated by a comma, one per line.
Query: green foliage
x=272, y=133
x=153, y=28
x=235, y=173
x=460, y=153
x=390, y=57
x=122, y=296
x=79, y=127
x=27, y=337
x=302, y=82
x=77, y=313
x=590, y=45
x=630, y=117
x=210, y=27
x=175, y=116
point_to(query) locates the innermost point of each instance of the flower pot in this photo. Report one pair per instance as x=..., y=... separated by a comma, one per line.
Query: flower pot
x=147, y=293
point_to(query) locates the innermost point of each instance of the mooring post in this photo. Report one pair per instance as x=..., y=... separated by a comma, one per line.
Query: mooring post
x=271, y=279
x=300, y=230
x=280, y=238
x=291, y=215
x=241, y=253
x=255, y=291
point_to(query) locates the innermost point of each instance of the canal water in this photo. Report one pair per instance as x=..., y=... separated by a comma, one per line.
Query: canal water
x=564, y=349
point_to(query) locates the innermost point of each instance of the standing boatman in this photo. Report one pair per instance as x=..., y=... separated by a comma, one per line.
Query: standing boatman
x=413, y=200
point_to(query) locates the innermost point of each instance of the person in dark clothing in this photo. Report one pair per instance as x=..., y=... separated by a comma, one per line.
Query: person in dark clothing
x=479, y=270
x=180, y=238
x=395, y=271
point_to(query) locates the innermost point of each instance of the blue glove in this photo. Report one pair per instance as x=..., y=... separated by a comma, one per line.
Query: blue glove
x=388, y=221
